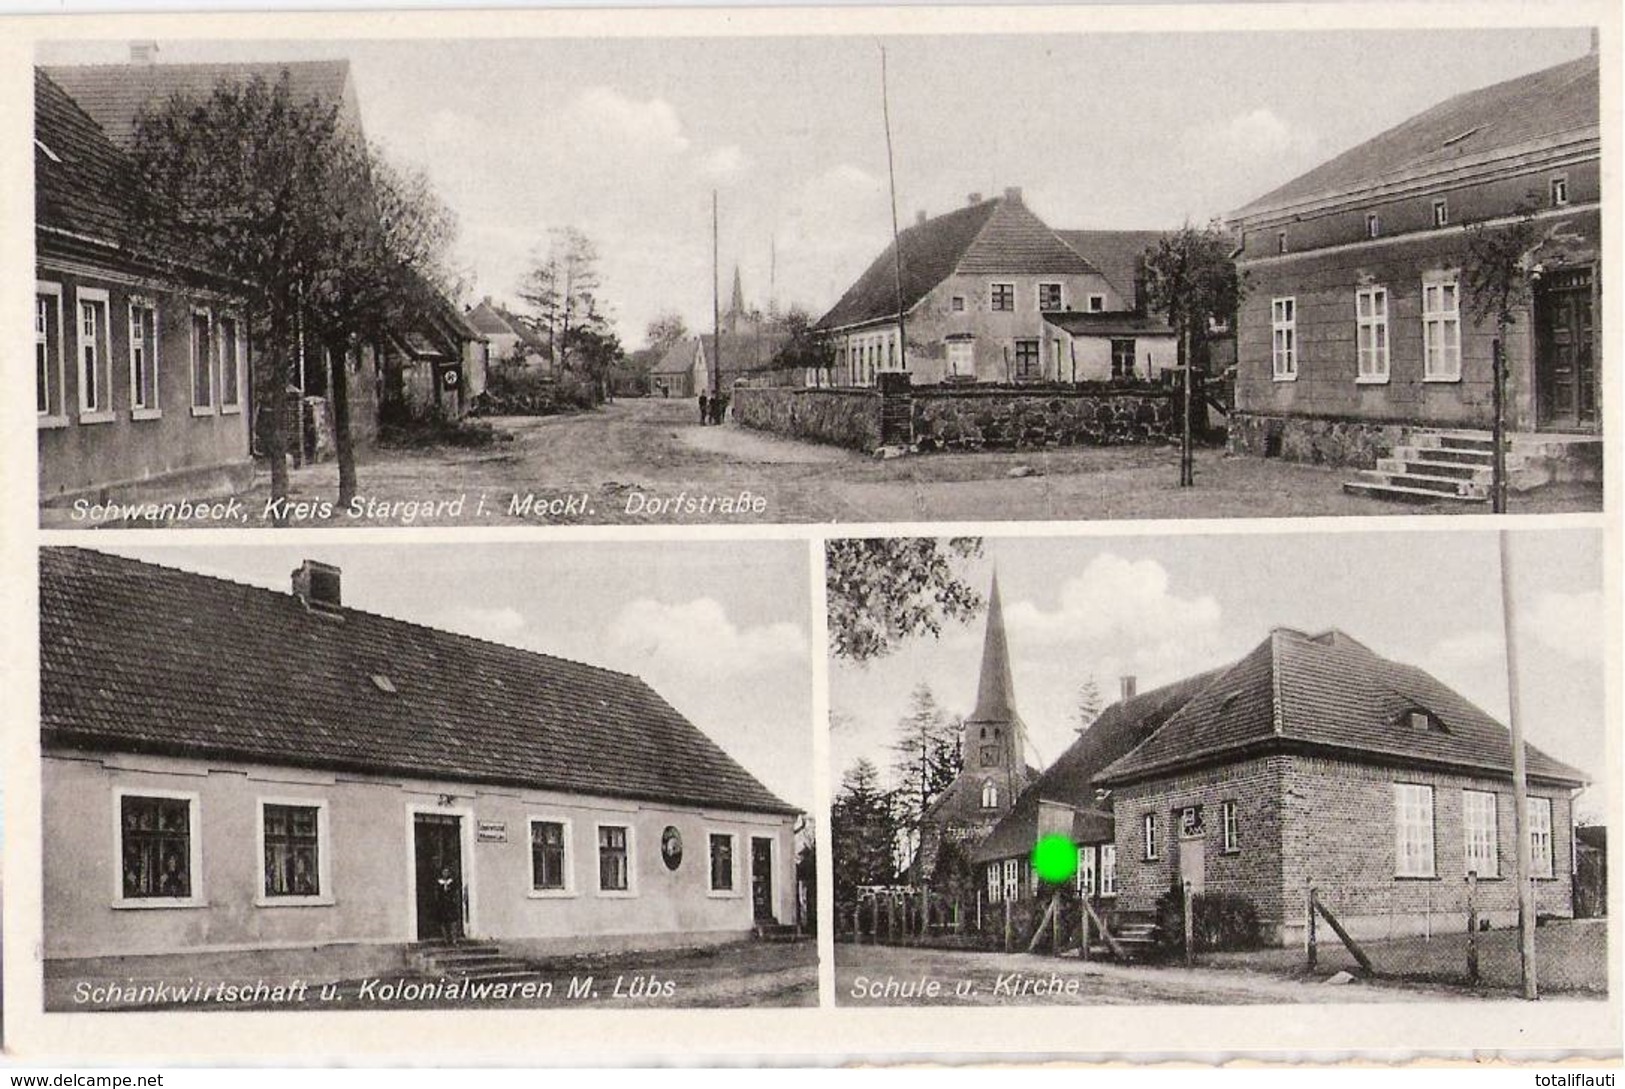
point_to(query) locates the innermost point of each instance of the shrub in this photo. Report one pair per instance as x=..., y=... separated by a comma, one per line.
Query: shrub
x=434, y=431
x=1221, y=922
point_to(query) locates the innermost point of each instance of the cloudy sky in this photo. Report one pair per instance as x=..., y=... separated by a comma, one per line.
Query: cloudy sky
x=627, y=138
x=719, y=630
x=1161, y=609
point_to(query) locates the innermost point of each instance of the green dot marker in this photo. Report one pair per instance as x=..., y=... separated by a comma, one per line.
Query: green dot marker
x=1055, y=857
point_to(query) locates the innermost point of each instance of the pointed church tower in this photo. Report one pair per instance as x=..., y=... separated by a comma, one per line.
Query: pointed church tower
x=736, y=307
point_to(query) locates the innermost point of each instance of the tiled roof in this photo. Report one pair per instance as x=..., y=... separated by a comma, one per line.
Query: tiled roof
x=992, y=237
x=1330, y=692
x=677, y=359
x=114, y=94
x=485, y=318
x=1107, y=324
x=1119, y=255
x=1071, y=779
x=140, y=658
x=1555, y=101
x=82, y=182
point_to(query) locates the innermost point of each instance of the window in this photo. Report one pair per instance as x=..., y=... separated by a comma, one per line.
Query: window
x=994, y=886
x=1540, y=837
x=1284, y=338
x=1086, y=871
x=1003, y=296
x=157, y=846
x=143, y=360
x=1049, y=297
x=1012, y=880
x=957, y=304
x=1097, y=303
x=1108, y=869
x=614, y=870
x=1280, y=242
x=1122, y=357
x=48, y=364
x=95, y=396
x=291, y=848
x=1479, y=833
x=1413, y=830
x=1230, y=825
x=722, y=862
x=961, y=357
x=990, y=795
x=549, y=856
x=202, y=364
x=1441, y=330
x=1371, y=333
x=1148, y=826
x=1027, y=365
x=1373, y=224
x=231, y=353
x=1560, y=190
x=1441, y=212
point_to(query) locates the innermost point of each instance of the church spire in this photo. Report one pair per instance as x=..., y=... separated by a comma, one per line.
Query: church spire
x=996, y=693
x=737, y=306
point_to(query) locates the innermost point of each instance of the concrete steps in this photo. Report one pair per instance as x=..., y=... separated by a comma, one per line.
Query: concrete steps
x=1136, y=937
x=1458, y=466
x=776, y=932
x=468, y=959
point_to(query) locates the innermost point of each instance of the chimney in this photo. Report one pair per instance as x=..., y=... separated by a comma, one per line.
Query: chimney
x=1013, y=194
x=317, y=585
x=919, y=218
x=1129, y=688
x=974, y=198
x=144, y=52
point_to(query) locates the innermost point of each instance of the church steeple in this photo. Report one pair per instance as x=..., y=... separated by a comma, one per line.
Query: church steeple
x=995, y=693
x=995, y=746
x=737, y=305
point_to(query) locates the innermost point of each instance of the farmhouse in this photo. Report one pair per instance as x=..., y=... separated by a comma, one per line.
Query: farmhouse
x=991, y=294
x=1357, y=343
x=1311, y=761
x=276, y=782
x=140, y=356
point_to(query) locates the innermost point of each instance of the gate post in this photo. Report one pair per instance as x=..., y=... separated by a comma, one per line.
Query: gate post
x=1190, y=924
x=1472, y=926
x=1309, y=925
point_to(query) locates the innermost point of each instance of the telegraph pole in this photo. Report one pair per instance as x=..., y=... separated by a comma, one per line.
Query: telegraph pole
x=1520, y=788
x=716, y=306
x=896, y=244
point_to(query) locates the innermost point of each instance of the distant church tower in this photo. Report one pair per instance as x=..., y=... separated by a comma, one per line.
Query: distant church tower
x=736, y=307
x=994, y=772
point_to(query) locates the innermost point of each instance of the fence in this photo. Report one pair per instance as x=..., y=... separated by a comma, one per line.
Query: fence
x=1052, y=923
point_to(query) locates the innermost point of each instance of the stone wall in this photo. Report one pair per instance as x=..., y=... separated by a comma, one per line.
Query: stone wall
x=1013, y=418
x=1317, y=440
x=844, y=417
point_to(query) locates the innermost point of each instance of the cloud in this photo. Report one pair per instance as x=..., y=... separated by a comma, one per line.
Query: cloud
x=604, y=115
x=1259, y=150
x=724, y=163
x=1570, y=624
x=502, y=624
x=698, y=636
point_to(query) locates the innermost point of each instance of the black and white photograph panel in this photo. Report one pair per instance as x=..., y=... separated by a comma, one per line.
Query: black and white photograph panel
x=803, y=279
x=1219, y=769
x=427, y=776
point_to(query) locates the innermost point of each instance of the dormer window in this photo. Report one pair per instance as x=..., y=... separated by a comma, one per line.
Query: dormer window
x=1373, y=225
x=1441, y=212
x=1420, y=720
x=1560, y=190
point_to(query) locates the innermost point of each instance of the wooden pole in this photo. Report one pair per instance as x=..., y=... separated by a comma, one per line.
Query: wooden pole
x=1007, y=934
x=1498, y=462
x=716, y=303
x=1520, y=788
x=1187, y=453
x=1083, y=927
x=1055, y=924
x=896, y=243
x=1309, y=926
x=1190, y=915
x=1472, y=926
x=1343, y=936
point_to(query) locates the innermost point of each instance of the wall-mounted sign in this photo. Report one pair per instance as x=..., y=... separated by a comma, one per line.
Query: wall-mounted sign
x=491, y=831
x=1191, y=823
x=671, y=847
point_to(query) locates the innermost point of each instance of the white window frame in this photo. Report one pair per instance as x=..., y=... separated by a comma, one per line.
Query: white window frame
x=1480, y=842
x=1373, y=225
x=993, y=300
x=1012, y=880
x=59, y=418
x=1148, y=838
x=1088, y=873
x=1437, y=363
x=568, y=890
x=631, y=890
x=735, y=874
x=1229, y=827
x=1413, y=817
x=1060, y=295
x=1559, y=190
x=962, y=352
x=1441, y=212
x=324, y=855
x=240, y=351
x=194, y=850
x=102, y=413
x=1108, y=869
x=1542, y=846
x=1284, y=338
x=1096, y=303
x=208, y=409
x=150, y=356
x=995, y=884
x=1372, y=364
x=990, y=794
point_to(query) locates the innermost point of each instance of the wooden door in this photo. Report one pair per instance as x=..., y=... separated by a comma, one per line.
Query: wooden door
x=437, y=851
x=1565, y=368
x=761, y=879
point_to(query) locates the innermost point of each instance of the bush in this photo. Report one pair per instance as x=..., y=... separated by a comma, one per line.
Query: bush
x=434, y=431
x=1223, y=922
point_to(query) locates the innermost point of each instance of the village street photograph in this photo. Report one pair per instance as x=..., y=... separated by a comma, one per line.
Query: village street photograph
x=427, y=776
x=817, y=278
x=1203, y=769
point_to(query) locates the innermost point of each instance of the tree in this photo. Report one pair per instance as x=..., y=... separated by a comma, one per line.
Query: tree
x=665, y=329
x=926, y=756
x=1089, y=704
x=1191, y=277
x=1498, y=274
x=597, y=355
x=863, y=832
x=562, y=289
x=805, y=346
x=882, y=590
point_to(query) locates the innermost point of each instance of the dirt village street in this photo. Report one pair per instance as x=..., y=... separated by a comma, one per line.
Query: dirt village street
x=649, y=461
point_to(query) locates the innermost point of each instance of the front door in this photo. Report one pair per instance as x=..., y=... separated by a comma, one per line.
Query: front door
x=1192, y=863
x=1565, y=367
x=761, y=879
x=437, y=852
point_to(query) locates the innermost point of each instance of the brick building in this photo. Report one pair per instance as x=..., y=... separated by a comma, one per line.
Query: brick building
x=1356, y=339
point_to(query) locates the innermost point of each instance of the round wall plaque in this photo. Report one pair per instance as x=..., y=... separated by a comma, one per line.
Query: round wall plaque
x=671, y=847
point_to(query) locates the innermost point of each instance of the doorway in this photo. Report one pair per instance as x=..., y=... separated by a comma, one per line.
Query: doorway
x=1565, y=355
x=761, y=879
x=437, y=852
x=1193, y=864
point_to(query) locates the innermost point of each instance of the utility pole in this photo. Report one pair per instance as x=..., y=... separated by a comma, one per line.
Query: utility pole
x=716, y=306
x=1520, y=787
x=1187, y=455
x=896, y=244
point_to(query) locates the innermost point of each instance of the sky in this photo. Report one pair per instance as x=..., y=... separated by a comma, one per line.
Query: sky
x=627, y=139
x=1164, y=608
x=720, y=631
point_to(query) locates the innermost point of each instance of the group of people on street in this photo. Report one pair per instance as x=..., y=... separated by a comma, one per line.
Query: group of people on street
x=713, y=409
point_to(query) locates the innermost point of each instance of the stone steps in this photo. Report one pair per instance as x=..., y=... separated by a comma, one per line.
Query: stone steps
x=476, y=960
x=1458, y=465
